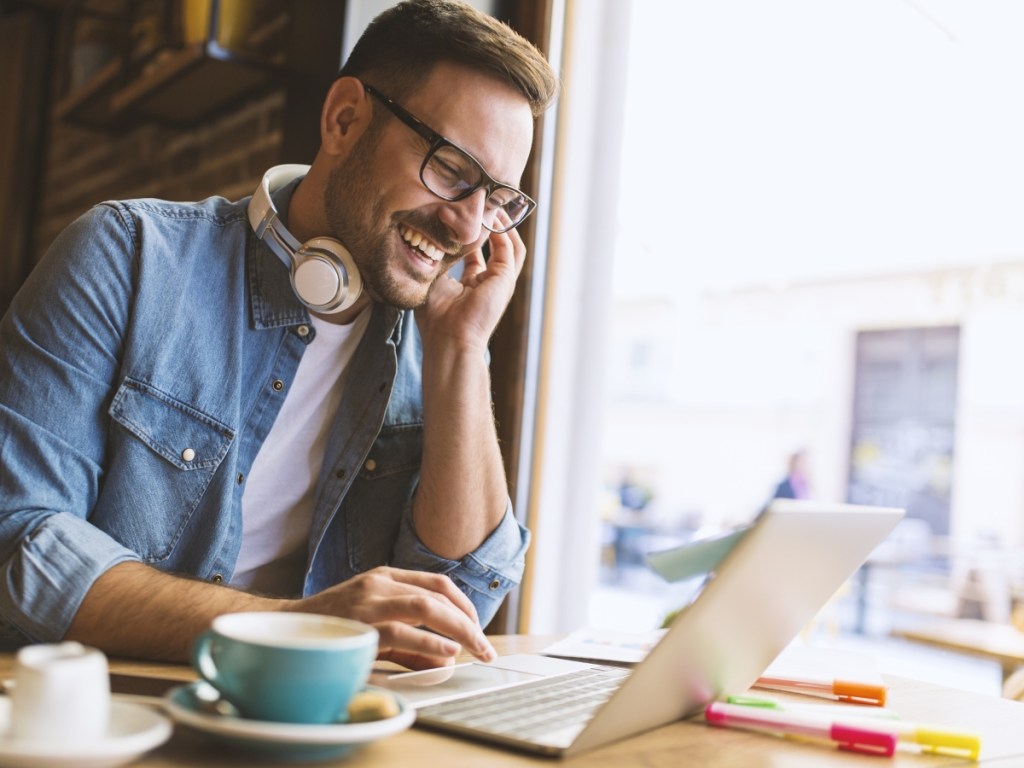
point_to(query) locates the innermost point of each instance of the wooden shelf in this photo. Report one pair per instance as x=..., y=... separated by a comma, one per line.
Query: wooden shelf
x=174, y=82
x=184, y=86
x=90, y=104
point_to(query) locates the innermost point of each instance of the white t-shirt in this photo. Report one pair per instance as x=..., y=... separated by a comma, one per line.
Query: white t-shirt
x=278, y=500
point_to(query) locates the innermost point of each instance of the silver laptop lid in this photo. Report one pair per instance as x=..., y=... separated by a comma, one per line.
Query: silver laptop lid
x=775, y=580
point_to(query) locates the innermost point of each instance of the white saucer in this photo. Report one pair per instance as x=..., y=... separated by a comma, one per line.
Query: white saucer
x=285, y=741
x=133, y=731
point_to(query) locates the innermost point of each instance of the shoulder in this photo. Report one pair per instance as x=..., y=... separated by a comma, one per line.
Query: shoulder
x=123, y=224
x=216, y=211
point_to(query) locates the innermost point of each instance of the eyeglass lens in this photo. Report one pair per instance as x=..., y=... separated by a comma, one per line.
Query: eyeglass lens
x=451, y=173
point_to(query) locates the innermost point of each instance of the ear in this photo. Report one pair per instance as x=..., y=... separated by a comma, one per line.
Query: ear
x=345, y=116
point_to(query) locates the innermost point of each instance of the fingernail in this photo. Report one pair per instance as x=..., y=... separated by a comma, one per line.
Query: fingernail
x=485, y=648
x=452, y=648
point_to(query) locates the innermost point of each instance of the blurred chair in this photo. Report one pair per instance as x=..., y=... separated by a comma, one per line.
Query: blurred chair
x=1013, y=686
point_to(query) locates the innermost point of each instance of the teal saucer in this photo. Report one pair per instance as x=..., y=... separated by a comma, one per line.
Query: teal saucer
x=188, y=705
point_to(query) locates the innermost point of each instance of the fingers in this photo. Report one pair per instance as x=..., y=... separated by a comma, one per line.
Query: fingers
x=416, y=661
x=448, y=627
x=518, y=249
x=400, y=639
x=422, y=617
x=439, y=586
x=417, y=648
x=473, y=266
x=509, y=243
x=506, y=249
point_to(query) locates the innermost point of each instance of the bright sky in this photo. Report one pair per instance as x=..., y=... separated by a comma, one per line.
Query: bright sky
x=767, y=140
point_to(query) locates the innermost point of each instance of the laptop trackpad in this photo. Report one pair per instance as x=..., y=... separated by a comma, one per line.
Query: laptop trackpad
x=432, y=686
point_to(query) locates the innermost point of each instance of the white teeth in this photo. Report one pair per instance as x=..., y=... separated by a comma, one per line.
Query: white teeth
x=417, y=240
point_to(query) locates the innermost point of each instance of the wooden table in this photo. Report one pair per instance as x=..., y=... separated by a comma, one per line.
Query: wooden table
x=1003, y=643
x=1000, y=723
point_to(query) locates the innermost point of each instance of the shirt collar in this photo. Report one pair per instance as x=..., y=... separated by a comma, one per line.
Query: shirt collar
x=272, y=301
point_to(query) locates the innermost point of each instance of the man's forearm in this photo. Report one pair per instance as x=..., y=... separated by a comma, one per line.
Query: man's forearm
x=462, y=493
x=134, y=610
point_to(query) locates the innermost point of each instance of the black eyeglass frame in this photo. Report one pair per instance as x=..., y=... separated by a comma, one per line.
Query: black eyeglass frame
x=437, y=141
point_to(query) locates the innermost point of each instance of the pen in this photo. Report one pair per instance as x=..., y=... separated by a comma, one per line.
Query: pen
x=833, y=709
x=852, y=738
x=844, y=690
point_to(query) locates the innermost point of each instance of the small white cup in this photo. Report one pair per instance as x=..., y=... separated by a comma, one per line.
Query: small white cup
x=61, y=694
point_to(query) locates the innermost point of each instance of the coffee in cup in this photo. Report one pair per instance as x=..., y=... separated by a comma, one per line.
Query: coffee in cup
x=287, y=667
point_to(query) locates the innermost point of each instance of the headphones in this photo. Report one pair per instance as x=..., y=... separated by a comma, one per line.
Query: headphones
x=323, y=274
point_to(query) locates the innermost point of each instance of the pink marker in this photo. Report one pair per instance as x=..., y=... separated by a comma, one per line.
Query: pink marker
x=850, y=738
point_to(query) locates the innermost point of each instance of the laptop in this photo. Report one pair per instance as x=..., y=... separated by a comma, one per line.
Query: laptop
x=793, y=558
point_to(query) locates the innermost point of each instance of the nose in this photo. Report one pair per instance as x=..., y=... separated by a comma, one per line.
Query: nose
x=465, y=217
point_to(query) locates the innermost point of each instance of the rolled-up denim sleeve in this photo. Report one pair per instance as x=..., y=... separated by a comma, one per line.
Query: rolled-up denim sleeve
x=485, y=575
x=51, y=570
x=59, y=346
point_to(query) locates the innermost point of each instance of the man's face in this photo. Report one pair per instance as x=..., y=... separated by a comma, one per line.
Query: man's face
x=402, y=236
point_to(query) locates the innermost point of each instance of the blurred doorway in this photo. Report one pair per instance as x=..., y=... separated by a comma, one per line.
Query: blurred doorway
x=904, y=421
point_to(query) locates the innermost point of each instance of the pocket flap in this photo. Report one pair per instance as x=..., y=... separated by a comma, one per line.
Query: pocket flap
x=186, y=437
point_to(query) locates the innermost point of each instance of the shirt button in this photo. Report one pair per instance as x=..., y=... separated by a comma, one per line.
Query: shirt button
x=278, y=385
x=303, y=331
x=370, y=465
x=494, y=584
x=240, y=479
x=217, y=578
x=188, y=454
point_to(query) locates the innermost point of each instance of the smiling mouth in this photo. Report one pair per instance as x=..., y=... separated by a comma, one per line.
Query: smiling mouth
x=421, y=243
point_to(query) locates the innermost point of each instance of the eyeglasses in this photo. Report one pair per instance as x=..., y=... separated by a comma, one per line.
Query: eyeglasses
x=451, y=173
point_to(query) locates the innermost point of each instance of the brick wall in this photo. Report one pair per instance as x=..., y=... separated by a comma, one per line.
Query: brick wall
x=224, y=156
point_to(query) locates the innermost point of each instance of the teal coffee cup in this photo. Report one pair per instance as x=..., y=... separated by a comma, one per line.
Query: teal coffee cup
x=287, y=667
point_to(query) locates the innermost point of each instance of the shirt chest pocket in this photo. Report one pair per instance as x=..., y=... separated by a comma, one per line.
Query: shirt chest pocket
x=381, y=493
x=397, y=450
x=164, y=457
x=184, y=436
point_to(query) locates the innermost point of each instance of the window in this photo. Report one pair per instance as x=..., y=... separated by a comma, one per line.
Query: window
x=745, y=189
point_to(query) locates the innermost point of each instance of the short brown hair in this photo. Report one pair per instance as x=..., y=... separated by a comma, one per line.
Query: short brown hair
x=402, y=45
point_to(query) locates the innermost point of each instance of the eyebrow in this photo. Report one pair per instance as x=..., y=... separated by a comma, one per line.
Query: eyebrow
x=421, y=129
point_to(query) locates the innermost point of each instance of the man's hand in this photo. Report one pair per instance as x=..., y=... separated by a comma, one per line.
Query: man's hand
x=468, y=310
x=423, y=619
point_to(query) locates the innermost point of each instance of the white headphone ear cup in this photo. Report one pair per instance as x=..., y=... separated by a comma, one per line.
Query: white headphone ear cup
x=316, y=281
x=355, y=280
x=325, y=276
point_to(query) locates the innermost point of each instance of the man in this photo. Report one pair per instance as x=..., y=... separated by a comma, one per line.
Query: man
x=181, y=437
x=795, y=484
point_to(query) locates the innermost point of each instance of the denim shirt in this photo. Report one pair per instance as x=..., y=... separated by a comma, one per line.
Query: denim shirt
x=141, y=367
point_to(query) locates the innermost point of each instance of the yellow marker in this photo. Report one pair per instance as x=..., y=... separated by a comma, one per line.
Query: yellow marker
x=936, y=739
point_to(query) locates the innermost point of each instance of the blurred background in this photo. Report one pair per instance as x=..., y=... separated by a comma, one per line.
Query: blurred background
x=817, y=289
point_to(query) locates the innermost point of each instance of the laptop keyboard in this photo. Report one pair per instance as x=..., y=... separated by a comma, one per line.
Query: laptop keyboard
x=532, y=709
